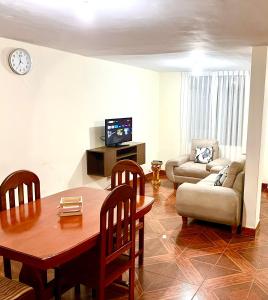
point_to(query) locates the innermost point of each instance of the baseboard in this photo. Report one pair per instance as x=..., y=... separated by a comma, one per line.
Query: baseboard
x=250, y=231
x=264, y=187
x=149, y=176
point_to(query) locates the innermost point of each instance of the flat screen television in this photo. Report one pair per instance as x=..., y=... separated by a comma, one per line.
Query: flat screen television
x=118, y=131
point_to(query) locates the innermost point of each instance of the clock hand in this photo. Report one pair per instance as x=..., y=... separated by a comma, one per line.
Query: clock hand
x=19, y=61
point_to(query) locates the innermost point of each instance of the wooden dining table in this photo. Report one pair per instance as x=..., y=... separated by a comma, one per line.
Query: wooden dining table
x=35, y=235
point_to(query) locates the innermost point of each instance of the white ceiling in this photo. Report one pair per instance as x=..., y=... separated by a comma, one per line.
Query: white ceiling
x=158, y=34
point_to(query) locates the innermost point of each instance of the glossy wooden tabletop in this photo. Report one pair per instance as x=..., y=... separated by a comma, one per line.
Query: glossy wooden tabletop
x=34, y=234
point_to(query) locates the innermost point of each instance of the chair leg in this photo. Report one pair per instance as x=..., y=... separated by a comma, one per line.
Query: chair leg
x=131, y=283
x=38, y=280
x=101, y=293
x=77, y=289
x=234, y=229
x=184, y=220
x=141, y=242
x=94, y=293
x=7, y=268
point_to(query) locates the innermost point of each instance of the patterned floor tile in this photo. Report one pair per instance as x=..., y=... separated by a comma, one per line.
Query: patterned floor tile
x=154, y=247
x=209, y=258
x=257, y=293
x=236, y=291
x=226, y=262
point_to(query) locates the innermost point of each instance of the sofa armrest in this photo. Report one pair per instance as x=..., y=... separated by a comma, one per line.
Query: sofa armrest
x=172, y=163
x=209, y=202
x=216, y=164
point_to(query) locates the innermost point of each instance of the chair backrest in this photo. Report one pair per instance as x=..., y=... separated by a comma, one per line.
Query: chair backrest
x=18, y=180
x=121, y=174
x=117, y=226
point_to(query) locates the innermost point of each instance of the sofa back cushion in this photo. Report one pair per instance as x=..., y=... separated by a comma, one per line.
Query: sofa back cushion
x=205, y=143
x=239, y=183
x=234, y=169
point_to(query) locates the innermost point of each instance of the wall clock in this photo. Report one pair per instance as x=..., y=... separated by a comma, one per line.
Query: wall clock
x=20, y=61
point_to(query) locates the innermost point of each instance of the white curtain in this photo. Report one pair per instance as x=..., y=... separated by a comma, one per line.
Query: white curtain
x=215, y=106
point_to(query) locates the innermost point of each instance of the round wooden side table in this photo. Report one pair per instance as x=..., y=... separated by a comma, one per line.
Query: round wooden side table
x=156, y=166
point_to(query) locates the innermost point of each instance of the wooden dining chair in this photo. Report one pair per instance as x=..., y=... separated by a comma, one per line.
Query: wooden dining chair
x=18, y=180
x=129, y=172
x=14, y=290
x=115, y=253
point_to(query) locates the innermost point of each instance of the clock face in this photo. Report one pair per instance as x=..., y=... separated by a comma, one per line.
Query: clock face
x=20, y=61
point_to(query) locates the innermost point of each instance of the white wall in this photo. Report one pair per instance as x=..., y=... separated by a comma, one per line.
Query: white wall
x=49, y=117
x=255, y=137
x=265, y=148
x=169, y=120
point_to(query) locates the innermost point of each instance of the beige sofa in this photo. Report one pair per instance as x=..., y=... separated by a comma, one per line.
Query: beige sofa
x=185, y=169
x=220, y=204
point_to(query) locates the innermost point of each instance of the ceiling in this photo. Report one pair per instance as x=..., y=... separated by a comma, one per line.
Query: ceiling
x=166, y=35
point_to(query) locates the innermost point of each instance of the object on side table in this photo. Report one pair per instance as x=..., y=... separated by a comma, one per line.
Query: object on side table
x=156, y=166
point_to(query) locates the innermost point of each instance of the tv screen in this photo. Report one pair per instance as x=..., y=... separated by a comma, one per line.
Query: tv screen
x=118, y=131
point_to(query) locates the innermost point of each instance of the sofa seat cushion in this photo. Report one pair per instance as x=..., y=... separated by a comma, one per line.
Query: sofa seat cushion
x=209, y=180
x=191, y=169
x=216, y=169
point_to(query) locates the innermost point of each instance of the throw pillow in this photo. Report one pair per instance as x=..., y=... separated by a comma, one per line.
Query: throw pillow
x=221, y=176
x=203, y=155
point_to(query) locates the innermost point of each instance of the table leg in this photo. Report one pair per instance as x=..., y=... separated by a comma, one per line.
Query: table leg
x=38, y=280
x=7, y=267
x=57, y=284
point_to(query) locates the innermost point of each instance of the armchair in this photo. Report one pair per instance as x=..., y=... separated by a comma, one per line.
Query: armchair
x=185, y=169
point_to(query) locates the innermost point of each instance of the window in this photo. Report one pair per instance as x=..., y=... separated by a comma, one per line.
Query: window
x=214, y=106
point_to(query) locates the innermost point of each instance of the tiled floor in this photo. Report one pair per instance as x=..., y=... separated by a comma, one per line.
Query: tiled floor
x=199, y=261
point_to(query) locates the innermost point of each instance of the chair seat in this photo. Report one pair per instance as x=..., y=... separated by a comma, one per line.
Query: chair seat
x=191, y=169
x=14, y=290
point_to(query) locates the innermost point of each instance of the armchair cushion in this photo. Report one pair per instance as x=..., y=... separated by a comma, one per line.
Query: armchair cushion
x=191, y=169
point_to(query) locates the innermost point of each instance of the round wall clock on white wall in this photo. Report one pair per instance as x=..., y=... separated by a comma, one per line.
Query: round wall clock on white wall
x=20, y=61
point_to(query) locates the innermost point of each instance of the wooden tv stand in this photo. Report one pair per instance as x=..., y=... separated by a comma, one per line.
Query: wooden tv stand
x=100, y=161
